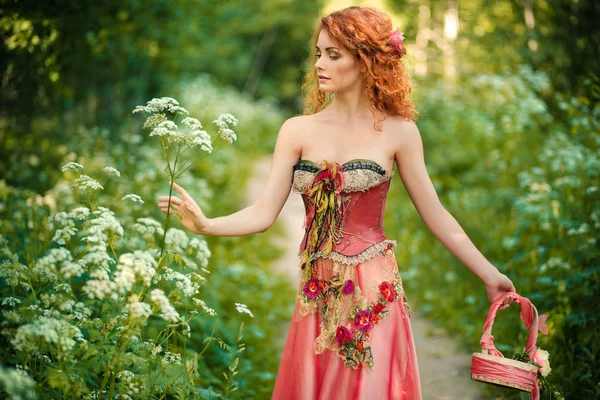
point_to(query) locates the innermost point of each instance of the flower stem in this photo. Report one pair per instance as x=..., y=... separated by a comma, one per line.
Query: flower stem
x=172, y=173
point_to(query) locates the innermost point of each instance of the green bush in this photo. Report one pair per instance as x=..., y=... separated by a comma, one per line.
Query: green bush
x=524, y=186
x=75, y=334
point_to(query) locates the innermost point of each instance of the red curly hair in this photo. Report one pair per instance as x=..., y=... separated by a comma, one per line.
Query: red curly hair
x=364, y=32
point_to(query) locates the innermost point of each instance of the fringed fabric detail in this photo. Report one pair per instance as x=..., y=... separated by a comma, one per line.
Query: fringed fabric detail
x=374, y=250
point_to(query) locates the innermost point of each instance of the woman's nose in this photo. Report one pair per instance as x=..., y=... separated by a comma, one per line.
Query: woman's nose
x=318, y=64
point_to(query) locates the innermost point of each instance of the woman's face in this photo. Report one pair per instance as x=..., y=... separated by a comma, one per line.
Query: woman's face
x=338, y=70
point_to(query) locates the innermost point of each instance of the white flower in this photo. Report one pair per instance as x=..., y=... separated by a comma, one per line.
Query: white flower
x=111, y=171
x=61, y=236
x=541, y=358
x=177, y=239
x=84, y=182
x=192, y=123
x=171, y=358
x=105, y=224
x=148, y=226
x=162, y=105
x=181, y=282
x=153, y=120
x=223, y=122
x=206, y=308
x=79, y=213
x=11, y=301
x=134, y=198
x=17, y=384
x=51, y=331
x=71, y=166
x=196, y=137
x=202, y=251
x=243, y=309
x=138, y=309
x=71, y=269
x=168, y=311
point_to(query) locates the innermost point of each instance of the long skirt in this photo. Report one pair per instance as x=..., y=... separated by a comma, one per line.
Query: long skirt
x=361, y=347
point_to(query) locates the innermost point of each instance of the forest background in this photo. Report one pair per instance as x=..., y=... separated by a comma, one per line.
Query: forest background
x=509, y=100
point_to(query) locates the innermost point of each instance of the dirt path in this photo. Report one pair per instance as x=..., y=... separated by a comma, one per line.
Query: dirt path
x=443, y=367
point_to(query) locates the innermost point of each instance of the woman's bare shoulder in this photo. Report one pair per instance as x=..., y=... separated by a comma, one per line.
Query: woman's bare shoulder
x=298, y=122
x=400, y=130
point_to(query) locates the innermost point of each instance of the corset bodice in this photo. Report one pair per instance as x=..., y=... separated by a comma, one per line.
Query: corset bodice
x=363, y=198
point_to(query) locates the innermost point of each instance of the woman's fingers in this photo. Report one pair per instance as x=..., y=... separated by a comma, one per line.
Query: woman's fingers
x=166, y=198
x=181, y=191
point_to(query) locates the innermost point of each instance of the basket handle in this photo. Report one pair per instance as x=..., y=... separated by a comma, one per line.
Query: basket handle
x=529, y=316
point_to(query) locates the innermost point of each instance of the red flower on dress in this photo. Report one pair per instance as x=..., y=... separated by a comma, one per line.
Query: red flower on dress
x=360, y=346
x=362, y=320
x=343, y=335
x=374, y=319
x=388, y=291
x=323, y=285
x=326, y=174
x=331, y=178
x=378, y=308
x=312, y=289
x=348, y=287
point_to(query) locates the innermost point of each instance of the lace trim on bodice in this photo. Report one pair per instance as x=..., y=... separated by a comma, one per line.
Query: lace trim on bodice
x=359, y=176
x=367, y=254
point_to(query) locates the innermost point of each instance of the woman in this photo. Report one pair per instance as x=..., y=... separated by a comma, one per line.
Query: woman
x=350, y=337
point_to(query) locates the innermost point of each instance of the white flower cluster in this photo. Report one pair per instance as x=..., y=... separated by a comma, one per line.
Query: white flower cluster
x=46, y=267
x=84, y=182
x=192, y=138
x=243, y=309
x=223, y=122
x=63, y=235
x=11, y=301
x=71, y=166
x=141, y=264
x=202, y=251
x=132, y=383
x=177, y=240
x=148, y=226
x=130, y=268
x=112, y=171
x=97, y=254
x=153, y=120
x=182, y=282
x=161, y=106
x=66, y=224
x=103, y=225
x=133, y=198
x=138, y=309
x=204, y=307
x=17, y=384
x=79, y=213
x=171, y=358
x=168, y=312
x=49, y=330
x=101, y=286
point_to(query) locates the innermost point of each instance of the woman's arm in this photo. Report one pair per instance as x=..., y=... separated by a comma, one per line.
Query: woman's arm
x=257, y=217
x=410, y=161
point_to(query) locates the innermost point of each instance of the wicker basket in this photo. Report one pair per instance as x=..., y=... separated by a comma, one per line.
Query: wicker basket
x=514, y=374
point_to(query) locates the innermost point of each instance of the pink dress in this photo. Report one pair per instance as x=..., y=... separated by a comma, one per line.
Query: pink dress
x=350, y=336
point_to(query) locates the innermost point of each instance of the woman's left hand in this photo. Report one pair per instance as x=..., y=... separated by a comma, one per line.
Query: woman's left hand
x=497, y=286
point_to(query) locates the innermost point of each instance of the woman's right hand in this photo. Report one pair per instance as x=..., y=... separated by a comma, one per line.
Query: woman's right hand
x=192, y=216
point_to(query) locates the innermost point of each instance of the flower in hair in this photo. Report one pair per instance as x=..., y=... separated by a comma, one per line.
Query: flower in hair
x=397, y=41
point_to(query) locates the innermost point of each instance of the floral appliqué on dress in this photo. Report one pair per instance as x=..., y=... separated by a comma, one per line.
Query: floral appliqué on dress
x=347, y=318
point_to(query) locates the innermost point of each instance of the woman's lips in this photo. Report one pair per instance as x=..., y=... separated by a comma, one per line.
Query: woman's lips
x=323, y=78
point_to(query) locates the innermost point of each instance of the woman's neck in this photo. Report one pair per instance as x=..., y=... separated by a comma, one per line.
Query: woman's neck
x=350, y=105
